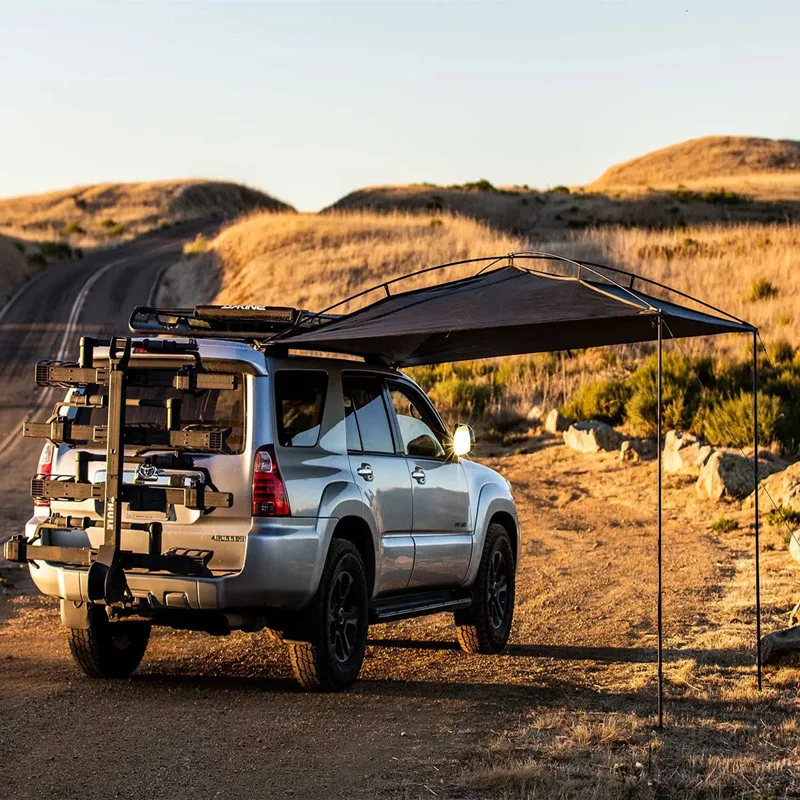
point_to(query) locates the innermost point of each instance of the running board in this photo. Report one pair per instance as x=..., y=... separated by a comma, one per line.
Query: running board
x=391, y=609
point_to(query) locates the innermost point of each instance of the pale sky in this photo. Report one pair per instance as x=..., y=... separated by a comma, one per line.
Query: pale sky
x=310, y=101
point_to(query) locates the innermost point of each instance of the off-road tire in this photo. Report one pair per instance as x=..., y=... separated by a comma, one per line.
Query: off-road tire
x=108, y=649
x=321, y=661
x=477, y=628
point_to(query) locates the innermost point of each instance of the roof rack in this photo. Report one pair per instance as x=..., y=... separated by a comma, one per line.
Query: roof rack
x=245, y=322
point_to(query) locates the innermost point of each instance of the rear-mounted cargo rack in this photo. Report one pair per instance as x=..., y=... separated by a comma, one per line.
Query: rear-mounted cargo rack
x=180, y=367
x=248, y=323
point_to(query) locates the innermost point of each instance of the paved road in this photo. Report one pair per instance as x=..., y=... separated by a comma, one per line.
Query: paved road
x=90, y=297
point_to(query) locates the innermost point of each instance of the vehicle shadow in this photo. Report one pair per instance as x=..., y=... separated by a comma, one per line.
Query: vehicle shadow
x=610, y=655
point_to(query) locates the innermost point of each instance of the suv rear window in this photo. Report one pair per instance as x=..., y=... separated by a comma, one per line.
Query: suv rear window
x=299, y=403
x=209, y=407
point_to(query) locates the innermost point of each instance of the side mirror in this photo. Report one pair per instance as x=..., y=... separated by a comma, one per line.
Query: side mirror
x=463, y=439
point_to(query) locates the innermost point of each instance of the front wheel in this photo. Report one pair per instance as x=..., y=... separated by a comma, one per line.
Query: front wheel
x=108, y=649
x=335, y=629
x=486, y=625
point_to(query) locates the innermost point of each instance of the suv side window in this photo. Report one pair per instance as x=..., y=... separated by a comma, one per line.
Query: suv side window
x=299, y=402
x=366, y=419
x=420, y=431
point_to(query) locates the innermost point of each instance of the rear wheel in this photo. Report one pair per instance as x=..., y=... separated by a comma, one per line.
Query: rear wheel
x=334, y=630
x=108, y=649
x=486, y=625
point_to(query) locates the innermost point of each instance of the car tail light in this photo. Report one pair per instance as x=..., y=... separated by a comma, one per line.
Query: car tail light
x=45, y=468
x=269, y=490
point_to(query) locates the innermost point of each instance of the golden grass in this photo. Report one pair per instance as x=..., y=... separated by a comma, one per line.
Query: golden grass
x=312, y=261
x=87, y=216
x=712, y=161
x=718, y=264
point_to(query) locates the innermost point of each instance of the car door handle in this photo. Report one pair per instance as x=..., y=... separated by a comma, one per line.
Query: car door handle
x=418, y=474
x=365, y=471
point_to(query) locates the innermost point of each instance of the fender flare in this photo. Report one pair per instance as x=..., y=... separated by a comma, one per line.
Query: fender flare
x=492, y=499
x=339, y=499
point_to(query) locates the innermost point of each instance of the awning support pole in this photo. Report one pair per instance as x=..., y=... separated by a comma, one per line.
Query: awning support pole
x=660, y=583
x=755, y=505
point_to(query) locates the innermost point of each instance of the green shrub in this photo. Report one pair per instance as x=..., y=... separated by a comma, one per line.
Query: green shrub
x=561, y=190
x=762, y=289
x=680, y=394
x=783, y=515
x=117, y=229
x=107, y=223
x=729, y=422
x=436, y=223
x=781, y=352
x=724, y=525
x=481, y=185
x=199, y=245
x=602, y=399
x=55, y=250
x=464, y=397
x=72, y=228
x=36, y=260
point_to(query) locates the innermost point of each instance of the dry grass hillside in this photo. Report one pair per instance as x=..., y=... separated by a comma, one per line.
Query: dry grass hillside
x=716, y=179
x=763, y=168
x=313, y=260
x=86, y=216
x=14, y=269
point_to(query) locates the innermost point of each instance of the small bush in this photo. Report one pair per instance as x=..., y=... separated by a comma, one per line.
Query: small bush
x=199, y=245
x=55, y=250
x=481, y=185
x=730, y=422
x=602, y=400
x=20, y=247
x=107, y=223
x=783, y=515
x=724, y=525
x=73, y=229
x=781, y=352
x=561, y=190
x=461, y=396
x=762, y=289
x=436, y=223
x=435, y=203
x=36, y=260
x=117, y=229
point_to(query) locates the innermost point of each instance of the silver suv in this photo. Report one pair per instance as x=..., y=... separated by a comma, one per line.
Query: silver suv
x=309, y=496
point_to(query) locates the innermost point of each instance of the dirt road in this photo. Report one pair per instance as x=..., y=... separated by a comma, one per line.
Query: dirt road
x=206, y=717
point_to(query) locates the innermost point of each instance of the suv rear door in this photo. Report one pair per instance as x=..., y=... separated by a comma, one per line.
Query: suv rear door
x=382, y=475
x=441, y=525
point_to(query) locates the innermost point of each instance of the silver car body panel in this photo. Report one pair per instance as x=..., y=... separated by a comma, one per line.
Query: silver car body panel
x=424, y=535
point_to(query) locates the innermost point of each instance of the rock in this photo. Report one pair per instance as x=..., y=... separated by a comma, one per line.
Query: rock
x=794, y=548
x=729, y=475
x=592, y=437
x=783, y=486
x=781, y=646
x=536, y=414
x=555, y=422
x=628, y=452
x=684, y=454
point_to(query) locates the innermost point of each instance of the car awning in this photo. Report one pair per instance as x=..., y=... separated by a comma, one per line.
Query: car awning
x=510, y=310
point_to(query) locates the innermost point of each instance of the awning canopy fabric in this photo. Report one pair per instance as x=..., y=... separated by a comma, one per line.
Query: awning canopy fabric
x=507, y=311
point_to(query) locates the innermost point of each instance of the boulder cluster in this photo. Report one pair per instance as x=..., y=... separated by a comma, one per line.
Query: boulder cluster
x=721, y=473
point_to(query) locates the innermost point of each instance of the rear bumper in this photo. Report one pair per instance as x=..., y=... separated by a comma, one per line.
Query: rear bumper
x=281, y=569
